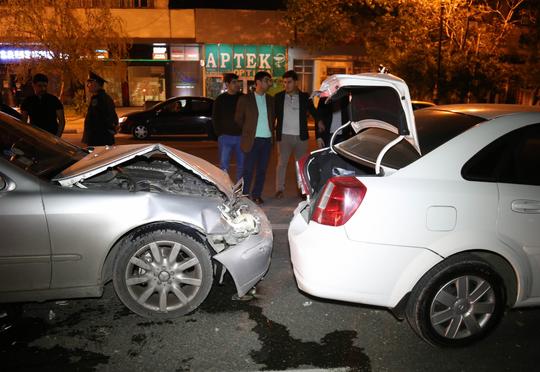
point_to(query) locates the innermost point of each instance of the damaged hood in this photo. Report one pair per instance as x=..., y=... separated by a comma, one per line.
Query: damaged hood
x=104, y=157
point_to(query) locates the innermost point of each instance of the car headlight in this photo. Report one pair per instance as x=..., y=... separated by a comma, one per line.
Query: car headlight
x=122, y=119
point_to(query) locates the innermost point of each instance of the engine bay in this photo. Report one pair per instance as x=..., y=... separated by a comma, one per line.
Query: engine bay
x=154, y=174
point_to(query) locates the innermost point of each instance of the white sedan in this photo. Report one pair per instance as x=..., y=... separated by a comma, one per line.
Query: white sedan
x=434, y=215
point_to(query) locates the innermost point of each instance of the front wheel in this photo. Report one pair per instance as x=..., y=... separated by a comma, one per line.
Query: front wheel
x=457, y=302
x=140, y=131
x=162, y=273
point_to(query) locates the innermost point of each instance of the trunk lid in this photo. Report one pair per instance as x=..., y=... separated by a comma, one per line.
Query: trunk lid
x=377, y=100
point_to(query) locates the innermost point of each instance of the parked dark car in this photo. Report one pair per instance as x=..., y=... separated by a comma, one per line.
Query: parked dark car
x=178, y=115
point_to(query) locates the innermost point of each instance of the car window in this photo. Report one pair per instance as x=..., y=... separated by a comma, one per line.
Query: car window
x=34, y=150
x=176, y=106
x=433, y=128
x=369, y=143
x=199, y=106
x=512, y=158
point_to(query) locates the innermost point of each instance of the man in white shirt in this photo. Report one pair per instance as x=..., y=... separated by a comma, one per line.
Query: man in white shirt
x=292, y=107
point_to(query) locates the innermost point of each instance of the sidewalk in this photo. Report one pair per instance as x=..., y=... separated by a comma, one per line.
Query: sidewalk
x=75, y=122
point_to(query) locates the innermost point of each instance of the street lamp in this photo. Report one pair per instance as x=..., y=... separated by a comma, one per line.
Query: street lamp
x=436, y=88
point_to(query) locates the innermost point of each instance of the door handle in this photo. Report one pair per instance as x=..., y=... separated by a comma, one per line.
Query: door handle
x=526, y=206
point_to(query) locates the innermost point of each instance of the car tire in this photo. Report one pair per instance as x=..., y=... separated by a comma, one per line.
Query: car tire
x=162, y=273
x=457, y=302
x=140, y=131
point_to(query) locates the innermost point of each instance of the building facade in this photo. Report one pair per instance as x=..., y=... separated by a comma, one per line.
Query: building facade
x=186, y=52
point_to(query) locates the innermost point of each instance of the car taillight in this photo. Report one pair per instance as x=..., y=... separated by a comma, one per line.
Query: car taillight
x=339, y=199
x=301, y=174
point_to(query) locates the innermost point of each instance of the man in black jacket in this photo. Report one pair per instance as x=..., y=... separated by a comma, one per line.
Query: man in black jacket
x=227, y=130
x=44, y=109
x=101, y=120
x=292, y=107
x=332, y=115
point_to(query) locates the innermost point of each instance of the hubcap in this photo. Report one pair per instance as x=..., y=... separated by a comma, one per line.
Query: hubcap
x=140, y=131
x=163, y=276
x=462, y=307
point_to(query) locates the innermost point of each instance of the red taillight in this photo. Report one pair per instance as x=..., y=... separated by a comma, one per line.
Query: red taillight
x=339, y=199
x=301, y=174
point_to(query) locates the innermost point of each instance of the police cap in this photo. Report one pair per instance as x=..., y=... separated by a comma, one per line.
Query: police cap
x=92, y=76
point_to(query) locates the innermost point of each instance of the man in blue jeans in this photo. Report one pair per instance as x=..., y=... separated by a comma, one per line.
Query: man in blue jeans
x=227, y=130
x=255, y=114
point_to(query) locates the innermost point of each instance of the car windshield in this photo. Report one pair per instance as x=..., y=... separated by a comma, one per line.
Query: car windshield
x=433, y=127
x=34, y=150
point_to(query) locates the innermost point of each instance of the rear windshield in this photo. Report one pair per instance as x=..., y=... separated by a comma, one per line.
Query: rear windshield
x=433, y=127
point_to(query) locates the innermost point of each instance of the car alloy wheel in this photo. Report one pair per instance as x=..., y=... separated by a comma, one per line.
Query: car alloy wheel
x=457, y=302
x=163, y=274
x=462, y=307
x=140, y=131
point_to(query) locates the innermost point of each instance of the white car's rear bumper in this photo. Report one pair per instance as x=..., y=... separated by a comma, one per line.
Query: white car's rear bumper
x=328, y=264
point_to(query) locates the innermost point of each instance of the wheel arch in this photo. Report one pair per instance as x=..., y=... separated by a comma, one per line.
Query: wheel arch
x=498, y=262
x=107, y=267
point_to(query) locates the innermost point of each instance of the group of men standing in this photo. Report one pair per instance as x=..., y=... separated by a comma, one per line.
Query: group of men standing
x=246, y=125
x=45, y=111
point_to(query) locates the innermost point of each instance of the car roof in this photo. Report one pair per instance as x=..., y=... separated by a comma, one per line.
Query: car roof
x=485, y=111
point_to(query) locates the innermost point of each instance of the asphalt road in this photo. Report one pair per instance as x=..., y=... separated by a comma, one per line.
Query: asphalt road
x=279, y=329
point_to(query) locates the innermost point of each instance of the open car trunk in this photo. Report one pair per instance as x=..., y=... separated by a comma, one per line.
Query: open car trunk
x=382, y=119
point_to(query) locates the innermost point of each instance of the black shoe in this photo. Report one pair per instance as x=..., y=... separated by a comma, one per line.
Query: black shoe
x=258, y=200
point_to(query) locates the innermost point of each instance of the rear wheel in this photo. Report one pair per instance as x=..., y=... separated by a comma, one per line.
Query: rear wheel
x=140, y=131
x=162, y=273
x=457, y=302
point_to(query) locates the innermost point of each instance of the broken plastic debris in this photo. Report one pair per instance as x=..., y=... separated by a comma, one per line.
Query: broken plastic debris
x=307, y=303
x=52, y=315
x=62, y=303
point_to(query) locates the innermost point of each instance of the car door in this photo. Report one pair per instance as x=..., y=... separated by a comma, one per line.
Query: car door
x=519, y=198
x=25, y=252
x=201, y=114
x=173, y=118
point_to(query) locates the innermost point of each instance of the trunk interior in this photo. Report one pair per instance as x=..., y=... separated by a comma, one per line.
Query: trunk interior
x=325, y=164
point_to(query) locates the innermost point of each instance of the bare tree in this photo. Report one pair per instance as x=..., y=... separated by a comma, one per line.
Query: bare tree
x=476, y=39
x=64, y=38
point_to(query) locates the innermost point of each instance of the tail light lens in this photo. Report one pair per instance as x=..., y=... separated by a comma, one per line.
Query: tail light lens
x=301, y=175
x=340, y=198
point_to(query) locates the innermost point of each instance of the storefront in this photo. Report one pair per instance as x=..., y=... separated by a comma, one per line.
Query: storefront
x=243, y=60
x=314, y=67
x=159, y=71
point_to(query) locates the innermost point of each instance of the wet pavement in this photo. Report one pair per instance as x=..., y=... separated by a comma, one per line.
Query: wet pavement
x=279, y=329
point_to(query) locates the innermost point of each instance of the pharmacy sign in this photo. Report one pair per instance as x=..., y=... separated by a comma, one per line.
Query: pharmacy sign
x=245, y=60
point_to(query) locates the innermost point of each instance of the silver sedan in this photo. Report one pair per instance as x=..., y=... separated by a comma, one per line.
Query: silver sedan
x=162, y=224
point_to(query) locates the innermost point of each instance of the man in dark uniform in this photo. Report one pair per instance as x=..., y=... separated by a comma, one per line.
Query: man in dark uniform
x=45, y=110
x=101, y=120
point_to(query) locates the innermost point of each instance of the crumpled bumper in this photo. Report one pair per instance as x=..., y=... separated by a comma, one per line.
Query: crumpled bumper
x=248, y=261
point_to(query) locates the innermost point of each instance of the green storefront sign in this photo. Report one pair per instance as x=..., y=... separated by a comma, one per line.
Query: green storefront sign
x=245, y=60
